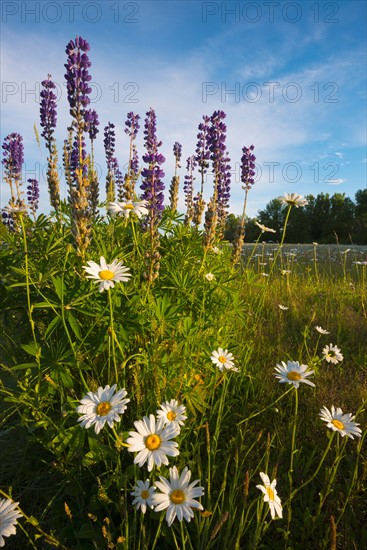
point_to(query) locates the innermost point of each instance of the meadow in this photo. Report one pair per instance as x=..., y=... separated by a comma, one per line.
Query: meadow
x=162, y=389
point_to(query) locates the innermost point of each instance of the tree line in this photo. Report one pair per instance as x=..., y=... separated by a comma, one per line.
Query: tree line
x=325, y=219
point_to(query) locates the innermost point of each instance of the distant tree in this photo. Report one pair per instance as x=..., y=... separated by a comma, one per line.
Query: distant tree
x=318, y=211
x=230, y=229
x=342, y=217
x=360, y=215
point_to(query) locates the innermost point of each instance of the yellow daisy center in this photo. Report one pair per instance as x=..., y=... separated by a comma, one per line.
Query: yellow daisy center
x=270, y=492
x=222, y=359
x=171, y=415
x=128, y=206
x=153, y=442
x=293, y=375
x=339, y=425
x=106, y=275
x=103, y=408
x=177, y=496
x=145, y=494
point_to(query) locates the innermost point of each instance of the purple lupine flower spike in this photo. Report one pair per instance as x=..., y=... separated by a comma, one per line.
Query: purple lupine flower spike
x=188, y=187
x=221, y=170
x=132, y=125
x=152, y=185
x=77, y=76
x=177, y=151
x=48, y=114
x=248, y=167
x=91, y=123
x=109, y=143
x=247, y=179
x=33, y=194
x=13, y=155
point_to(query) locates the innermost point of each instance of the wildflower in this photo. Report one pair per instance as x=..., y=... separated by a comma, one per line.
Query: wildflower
x=223, y=360
x=293, y=373
x=102, y=406
x=128, y=207
x=285, y=271
x=152, y=442
x=209, y=277
x=152, y=176
x=321, y=330
x=107, y=274
x=271, y=496
x=339, y=422
x=293, y=200
x=216, y=250
x=143, y=494
x=177, y=496
x=264, y=228
x=284, y=308
x=8, y=518
x=172, y=413
x=332, y=354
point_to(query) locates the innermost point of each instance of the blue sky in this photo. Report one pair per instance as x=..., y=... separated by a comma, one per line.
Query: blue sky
x=291, y=77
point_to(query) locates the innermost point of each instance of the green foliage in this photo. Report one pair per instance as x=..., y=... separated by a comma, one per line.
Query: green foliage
x=63, y=338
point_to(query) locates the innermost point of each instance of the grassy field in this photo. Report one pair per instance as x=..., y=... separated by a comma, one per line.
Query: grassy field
x=63, y=338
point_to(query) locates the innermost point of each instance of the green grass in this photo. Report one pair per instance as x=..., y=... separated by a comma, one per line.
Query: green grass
x=61, y=338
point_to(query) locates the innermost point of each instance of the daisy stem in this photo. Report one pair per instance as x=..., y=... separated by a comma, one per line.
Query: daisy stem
x=118, y=439
x=30, y=307
x=112, y=336
x=266, y=408
x=135, y=238
x=303, y=485
x=50, y=539
x=158, y=531
x=280, y=247
x=293, y=451
x=334, y=469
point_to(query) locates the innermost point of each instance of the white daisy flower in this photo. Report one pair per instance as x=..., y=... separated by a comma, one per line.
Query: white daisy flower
x=216, y=250
x=284, y=308
x=321, y=330
x=102, y=406
x=143, y=493
x=332, y=354
x=223, y=359
x=107, y=274
x=152, y=442
x=270, y=495
x=293, y=373
x=339, y=422
x=8, y=518
x=264, y=228
x=177, y=496
x=172, y=413
x=209, y=277
x=126, y=208
x=293, y=199
x=285, y=271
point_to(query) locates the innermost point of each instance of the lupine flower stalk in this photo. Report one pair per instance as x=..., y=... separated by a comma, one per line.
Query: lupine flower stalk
x=219, y=157
x=188, y=188
x=13, y=161
x=78, y=89
x=13, y=154
x=152, y=188
x=91, y=126
x=247, y=179
x=202, y=157
x=33, y=193
x=175, y=183
x=109, y=147
x=132, y=126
